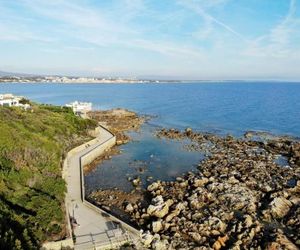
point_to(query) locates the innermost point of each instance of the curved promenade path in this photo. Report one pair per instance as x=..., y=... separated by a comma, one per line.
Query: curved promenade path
x=94, y=229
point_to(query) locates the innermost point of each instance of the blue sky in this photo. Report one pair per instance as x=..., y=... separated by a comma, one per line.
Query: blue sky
x=184, y=39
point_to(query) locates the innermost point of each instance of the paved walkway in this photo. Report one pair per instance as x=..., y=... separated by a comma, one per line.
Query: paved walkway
x=94, y=229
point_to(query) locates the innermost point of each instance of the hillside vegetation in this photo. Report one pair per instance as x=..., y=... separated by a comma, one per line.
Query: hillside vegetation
x=32, y=147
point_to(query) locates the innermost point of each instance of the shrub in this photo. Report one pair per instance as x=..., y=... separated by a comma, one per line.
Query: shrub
x=31, y=187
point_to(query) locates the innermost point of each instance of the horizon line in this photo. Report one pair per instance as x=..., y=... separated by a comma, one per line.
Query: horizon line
x=148, y=78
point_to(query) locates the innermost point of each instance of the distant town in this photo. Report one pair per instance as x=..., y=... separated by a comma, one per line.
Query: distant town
x=68, y=79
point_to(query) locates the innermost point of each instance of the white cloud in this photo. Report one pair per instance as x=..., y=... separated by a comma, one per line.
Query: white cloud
x=200, y=7
x=102, y=28
x=164, y=40
x=206, y=4
x=170, y=49
x=277, y=42
x=20, y=33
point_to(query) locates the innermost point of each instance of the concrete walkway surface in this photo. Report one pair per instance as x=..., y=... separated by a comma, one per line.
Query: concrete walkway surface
x=94, y=229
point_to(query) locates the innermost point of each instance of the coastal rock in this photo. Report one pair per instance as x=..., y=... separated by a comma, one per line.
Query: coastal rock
x=129, y=208
x=195, y=236
x=120, y=142
x=200, y=182
x=154, y=186
x=248, y=135
x=279, y=207
x=176, y=212
x=136, y=182
x=157, y=226
x=159, y=208
x=296, y=188
x=248, y=221
x=282, y=242
x=220, y=242
x=147, y=239
x=216, y=224
x=159, y=244
x=239, y=197
x=188, y=131
x=238, y=188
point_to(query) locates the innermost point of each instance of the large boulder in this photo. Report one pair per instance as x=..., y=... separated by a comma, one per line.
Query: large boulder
x=279, y=207
x=220, y=242
x=200, y=182
x=195, y=236
x=146, y=238
x=154, y=186
x=216, y=224
x=158, y=244
x=159, y=208
x=188, y=131
x=157, y=226
x=281, y=242
x=136, y=182
x=129, y=208
x=180, y=206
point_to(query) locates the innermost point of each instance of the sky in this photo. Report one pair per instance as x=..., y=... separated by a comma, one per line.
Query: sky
x=174, y=39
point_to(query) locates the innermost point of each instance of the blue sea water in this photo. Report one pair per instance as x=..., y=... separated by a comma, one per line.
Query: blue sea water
x=228, y=107
x=223, y=108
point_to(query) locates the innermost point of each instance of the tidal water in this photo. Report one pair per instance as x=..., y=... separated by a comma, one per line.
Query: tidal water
x=220, y=107
x=146, y=157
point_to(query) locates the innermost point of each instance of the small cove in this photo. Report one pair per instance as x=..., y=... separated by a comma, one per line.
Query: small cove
x=147, y=157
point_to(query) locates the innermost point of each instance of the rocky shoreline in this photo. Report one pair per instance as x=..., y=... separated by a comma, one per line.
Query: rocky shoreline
x=241, y=197
x=119, y=121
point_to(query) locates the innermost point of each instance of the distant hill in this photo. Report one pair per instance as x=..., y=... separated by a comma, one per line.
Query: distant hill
x=4, y=73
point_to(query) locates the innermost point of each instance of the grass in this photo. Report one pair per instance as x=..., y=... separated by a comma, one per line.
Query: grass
x=32, y=146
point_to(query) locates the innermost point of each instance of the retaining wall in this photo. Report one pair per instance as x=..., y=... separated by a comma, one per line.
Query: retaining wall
x=89, y=157
x=96, y=152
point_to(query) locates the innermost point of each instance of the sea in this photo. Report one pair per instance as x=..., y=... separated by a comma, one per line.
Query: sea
x=216, y=107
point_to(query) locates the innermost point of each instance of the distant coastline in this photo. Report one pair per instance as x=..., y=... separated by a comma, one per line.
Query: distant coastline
x=118, y=80
x=67, y=79
x=13, y=77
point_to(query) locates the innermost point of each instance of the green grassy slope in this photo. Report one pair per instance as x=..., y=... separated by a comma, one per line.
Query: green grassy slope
x=32, y=146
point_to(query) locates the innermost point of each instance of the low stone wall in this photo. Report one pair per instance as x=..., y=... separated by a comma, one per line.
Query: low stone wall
x=95, y=133
x=87, y=159
x=96, y=152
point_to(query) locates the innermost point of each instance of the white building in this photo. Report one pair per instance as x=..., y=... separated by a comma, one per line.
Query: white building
x=80, y=108
x=9, y=100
